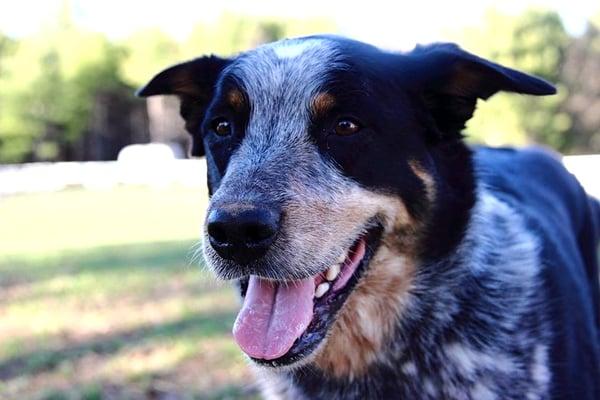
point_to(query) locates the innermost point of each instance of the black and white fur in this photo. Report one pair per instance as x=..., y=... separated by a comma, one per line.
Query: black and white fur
x=485, y=281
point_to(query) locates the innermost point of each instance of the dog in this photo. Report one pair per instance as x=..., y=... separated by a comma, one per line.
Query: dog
x=378, y=256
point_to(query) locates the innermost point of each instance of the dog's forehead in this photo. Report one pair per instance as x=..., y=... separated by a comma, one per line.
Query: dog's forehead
x=295, y=48
x=288, y=71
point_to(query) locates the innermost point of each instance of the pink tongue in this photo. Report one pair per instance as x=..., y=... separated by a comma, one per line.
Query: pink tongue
x=273, y=316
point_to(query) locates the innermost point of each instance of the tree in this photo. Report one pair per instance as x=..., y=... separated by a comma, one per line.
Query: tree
x=7, y=46
x=7, y=50
x=539, y=43
x=48, y=89
x=147, y=51
x=57, y=84
x=534, y=42
x=580, y=73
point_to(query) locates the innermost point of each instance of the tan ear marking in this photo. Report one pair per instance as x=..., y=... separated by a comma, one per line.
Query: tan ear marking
x=322, y=103
x=425, y=177
x=236, y=99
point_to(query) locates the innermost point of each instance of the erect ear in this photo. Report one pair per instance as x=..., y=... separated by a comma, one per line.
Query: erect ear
x=194, y=83
x=451, y=80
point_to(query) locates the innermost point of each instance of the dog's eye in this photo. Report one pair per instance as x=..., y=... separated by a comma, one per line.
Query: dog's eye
x=221, y=126
x=345, y=127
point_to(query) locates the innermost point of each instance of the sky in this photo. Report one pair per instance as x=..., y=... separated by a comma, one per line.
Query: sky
x=386, y=23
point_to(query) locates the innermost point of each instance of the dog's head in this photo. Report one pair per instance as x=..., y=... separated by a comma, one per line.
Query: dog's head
x=333, y=167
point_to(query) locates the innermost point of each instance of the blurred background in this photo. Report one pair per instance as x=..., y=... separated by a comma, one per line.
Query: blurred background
x=102, y=290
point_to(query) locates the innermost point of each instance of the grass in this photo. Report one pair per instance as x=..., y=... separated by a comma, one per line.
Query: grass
x=99, y=298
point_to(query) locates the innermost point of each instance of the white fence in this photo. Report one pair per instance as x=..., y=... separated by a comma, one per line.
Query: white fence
x=43, y=177
x=587, y=170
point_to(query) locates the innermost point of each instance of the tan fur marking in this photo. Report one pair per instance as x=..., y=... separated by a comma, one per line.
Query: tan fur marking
x=330, y=225
x=425, y=177
x=368, y=318
x=236, y=99
x=322, y=103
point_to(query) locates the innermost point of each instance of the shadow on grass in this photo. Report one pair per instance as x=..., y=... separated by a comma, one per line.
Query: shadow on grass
x=40, y=360
x=15, y=270
x=231, y=392
x=109, y=390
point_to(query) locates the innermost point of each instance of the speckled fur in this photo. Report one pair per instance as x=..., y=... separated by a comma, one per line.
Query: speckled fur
x=410, y=329
x=429, y=346
x=451, y=305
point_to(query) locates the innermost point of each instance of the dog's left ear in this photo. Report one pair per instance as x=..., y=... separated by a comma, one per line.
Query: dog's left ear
x=451, y=80
x=194, y=83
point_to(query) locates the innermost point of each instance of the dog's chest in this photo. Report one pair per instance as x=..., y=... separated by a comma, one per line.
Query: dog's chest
x=462, y=373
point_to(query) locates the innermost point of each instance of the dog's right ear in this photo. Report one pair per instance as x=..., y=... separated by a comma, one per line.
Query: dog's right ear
x=451, y=80
x=194, y=83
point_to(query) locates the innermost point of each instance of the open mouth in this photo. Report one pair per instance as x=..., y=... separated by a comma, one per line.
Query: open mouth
x=283, y=322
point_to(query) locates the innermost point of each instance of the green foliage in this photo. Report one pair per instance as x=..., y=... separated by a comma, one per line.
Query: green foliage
x=580, y=74
x=539, y=44
x=48, y=90
x=146, y=51
x=151, y=50
x=534, y=42
x=50, y=80
x=7, y=46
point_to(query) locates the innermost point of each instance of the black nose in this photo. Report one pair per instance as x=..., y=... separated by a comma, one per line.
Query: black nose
x=242, y=233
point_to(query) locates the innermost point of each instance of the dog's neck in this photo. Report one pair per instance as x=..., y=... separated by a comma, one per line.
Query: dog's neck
x=453, y=201
x=456, y=323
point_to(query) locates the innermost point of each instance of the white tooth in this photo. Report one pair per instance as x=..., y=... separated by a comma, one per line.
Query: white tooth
x=341, y=258
x=332, y=272
x=321, y=290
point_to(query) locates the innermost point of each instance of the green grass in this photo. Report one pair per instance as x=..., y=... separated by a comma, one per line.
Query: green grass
x=100, y=298
x=43, y=224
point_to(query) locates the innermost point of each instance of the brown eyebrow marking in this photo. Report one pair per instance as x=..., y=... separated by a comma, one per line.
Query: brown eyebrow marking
x=236, y=99
x=322, y=103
